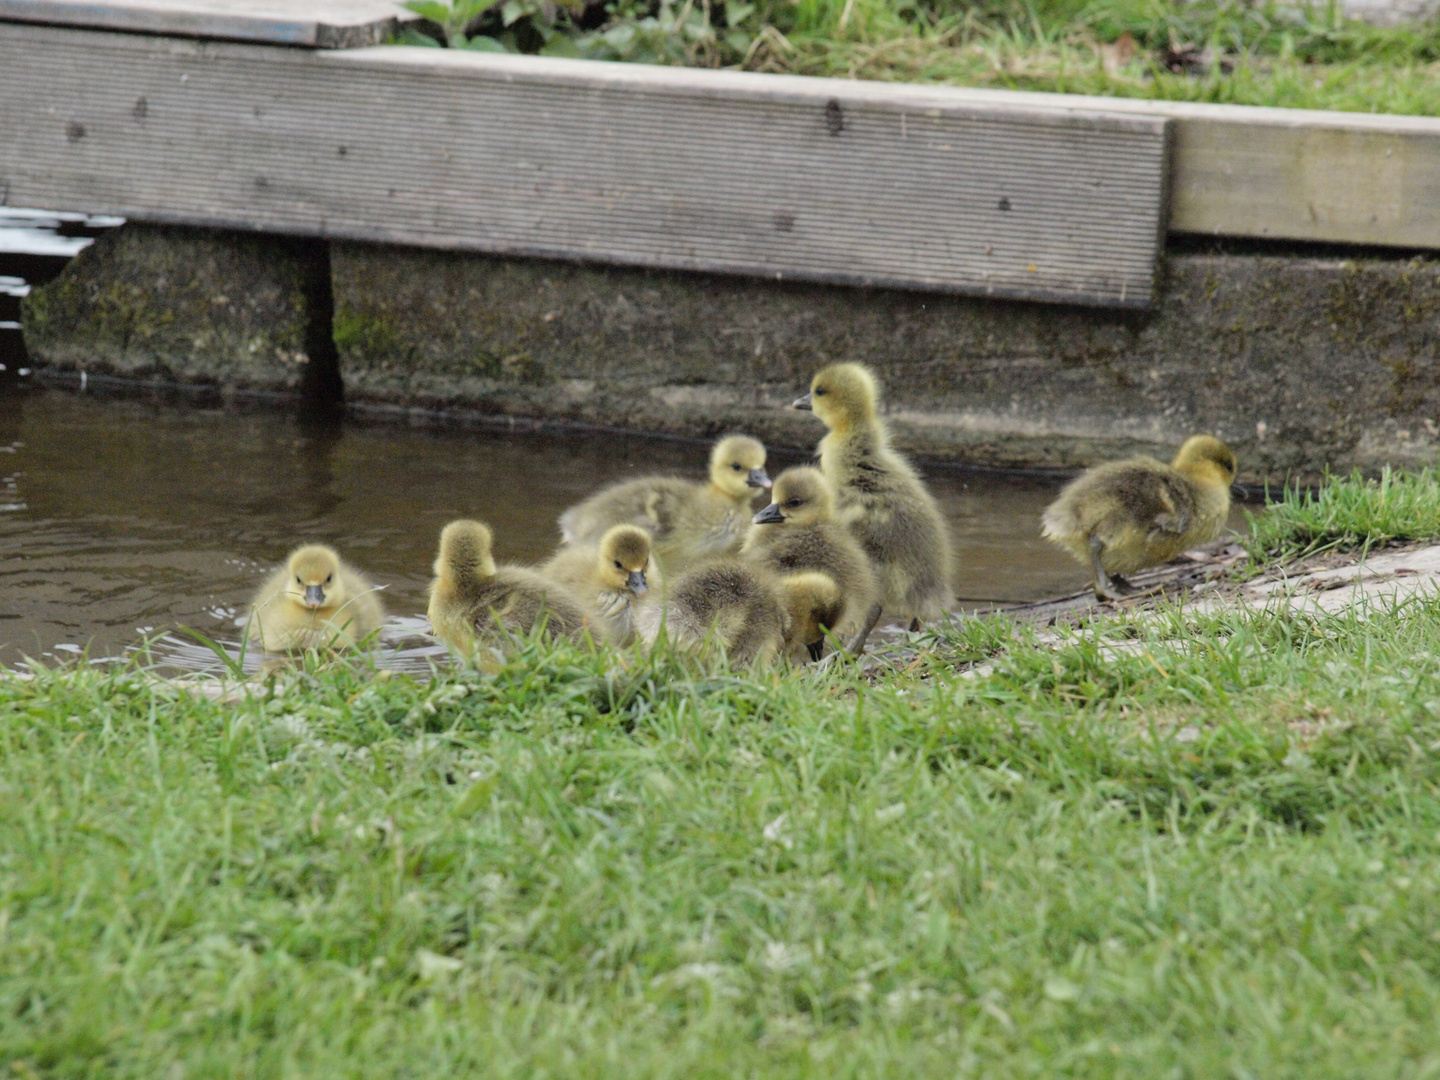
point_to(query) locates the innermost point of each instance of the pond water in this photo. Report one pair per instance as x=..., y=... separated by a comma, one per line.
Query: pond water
x=123, y=518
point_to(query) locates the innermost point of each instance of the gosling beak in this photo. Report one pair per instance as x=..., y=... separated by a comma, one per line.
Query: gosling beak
x=635, y=582
x=314, y=596
x=771, y=515
x=758, y=479
x=802, y=403
x=816, y=649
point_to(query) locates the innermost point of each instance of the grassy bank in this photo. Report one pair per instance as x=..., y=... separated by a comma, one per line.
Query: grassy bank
x=1184, y=847
x=1255, y=53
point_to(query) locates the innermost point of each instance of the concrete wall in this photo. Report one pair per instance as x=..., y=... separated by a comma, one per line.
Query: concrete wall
x=188, y=305
x=1302, y=363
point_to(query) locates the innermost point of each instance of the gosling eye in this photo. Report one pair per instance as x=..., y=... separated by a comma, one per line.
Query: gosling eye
x=298, y=581
x=795, y=502
x=618, y=566
x=329, y=578
x=819, y=391
x=737, y=466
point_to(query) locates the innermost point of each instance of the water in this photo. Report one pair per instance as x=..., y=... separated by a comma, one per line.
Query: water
x=125, y=518
x=122, y=518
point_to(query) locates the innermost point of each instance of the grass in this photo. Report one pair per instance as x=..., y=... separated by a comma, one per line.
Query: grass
x=1348, y=513
x=1256, y=52
x=1189, y=846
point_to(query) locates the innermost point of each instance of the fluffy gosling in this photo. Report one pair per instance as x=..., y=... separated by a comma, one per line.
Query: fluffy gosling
x=726, y=602
x=1127, y=515
x=473, y=599
x=798, y=532
x=609, y=577
x=689, y=521
x=814, y=604
x=314, y=600
x=885, y=505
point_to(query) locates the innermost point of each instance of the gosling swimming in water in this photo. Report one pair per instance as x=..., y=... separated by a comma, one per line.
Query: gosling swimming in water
x=473, y=599
x=725, y=602
x=688, y=521
x=609, y=577
x=1128, y=515
x=880, y=499
x=798, y=532
x=314, y=600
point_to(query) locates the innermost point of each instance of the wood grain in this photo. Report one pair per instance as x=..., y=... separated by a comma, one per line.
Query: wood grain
x=777, y=176
x=323, y=24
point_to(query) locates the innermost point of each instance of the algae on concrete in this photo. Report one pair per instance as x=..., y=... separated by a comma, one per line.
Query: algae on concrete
x=191, y=305
x=1302, y=363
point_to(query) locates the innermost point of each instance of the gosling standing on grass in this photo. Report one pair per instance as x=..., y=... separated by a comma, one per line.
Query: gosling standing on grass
x=471, y=598
x=313, y=601
x=880, y=498
x=798, y=532
x=688, y=521
x=725, y=603
x=1126, y=515
x=609, y=577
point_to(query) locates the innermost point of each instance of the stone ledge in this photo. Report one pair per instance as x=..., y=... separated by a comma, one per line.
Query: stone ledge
x=1302, y=363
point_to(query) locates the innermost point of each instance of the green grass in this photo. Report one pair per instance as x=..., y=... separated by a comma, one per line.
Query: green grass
x=1190, y=848
x=1348, y=513
x=1258, y=53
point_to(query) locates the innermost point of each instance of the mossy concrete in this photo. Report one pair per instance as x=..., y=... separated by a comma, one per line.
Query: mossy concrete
x=1302, y=363
x=229, y=309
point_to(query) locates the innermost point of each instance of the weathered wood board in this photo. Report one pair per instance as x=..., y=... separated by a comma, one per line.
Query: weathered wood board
x=777, y=176
x=321, y=24
x=1290, y=174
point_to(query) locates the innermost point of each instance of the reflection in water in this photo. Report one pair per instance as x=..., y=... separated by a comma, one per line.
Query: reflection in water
x=123, y=518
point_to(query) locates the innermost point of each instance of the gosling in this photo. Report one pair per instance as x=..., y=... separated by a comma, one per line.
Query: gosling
x=314, y=600
x=723, y=603
x=814, y=604
x=798, y=532
x=1127, y=515
x=689, y=521
x=472, y=599
x=878, y=495
x=609, y=578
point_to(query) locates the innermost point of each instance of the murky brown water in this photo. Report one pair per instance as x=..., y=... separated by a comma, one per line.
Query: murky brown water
x=120, y=519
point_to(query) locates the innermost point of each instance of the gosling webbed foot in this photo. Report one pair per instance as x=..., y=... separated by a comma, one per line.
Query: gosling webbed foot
x=856, y=645
x=1108, y=587
x=1113, y=588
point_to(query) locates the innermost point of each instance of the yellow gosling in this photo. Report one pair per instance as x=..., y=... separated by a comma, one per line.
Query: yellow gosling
x=1128, y=515
x=724, y=603
x=815, y=605
x=315, y=600
x=688, y=521
x=881, y=499
x=798, y=532
x=609, y=578
x=472, y=599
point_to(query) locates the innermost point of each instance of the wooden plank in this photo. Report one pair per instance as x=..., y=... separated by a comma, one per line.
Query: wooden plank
x=778, y=176
x=322, y=24
x=1332, y=177
x=1290, y=174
